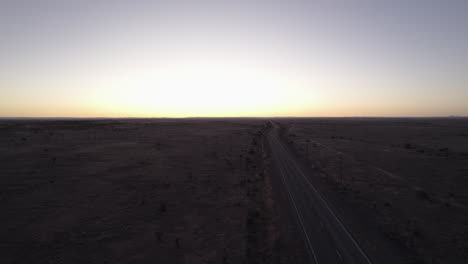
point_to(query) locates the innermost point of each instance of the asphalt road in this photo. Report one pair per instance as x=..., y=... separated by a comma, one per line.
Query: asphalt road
x=326, y=237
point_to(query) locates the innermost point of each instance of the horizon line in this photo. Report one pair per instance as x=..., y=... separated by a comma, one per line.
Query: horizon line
x=225, y=117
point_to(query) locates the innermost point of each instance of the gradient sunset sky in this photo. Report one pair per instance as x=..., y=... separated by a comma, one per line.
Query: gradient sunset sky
x=141, y=58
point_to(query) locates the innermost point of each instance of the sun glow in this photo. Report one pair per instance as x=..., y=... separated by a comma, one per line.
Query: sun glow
x=202, y=89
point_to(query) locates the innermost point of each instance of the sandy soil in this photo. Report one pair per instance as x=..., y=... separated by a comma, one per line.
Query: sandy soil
x=132, y=191
x=408, y=176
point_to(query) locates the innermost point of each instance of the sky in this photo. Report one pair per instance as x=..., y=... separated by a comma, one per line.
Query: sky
x=141, y=58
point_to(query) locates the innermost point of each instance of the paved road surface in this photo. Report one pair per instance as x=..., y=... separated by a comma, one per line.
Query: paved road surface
x=326, y=237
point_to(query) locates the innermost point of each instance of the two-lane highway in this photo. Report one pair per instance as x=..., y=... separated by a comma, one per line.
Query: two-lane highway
x=326, y=237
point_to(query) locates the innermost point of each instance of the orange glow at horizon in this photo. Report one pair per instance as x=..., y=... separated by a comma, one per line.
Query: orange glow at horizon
x=232, y=59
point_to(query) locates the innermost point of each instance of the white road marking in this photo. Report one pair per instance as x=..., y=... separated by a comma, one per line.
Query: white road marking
x=297, y=213
x=327, y=206
x=339, y=256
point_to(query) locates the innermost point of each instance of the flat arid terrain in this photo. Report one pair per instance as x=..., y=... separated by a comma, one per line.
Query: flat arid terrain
x=406, y=178
x=234, y=190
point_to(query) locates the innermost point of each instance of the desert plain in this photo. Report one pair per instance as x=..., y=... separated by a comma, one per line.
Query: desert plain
x=205, y=190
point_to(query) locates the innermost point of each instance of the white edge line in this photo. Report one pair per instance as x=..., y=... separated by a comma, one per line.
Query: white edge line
x=328, y=207
x=297, y=213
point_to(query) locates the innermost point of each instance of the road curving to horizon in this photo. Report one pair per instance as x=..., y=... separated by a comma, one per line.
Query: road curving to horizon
x=326, y=237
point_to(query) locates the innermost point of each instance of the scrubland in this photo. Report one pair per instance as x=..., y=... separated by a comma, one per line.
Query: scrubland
x=130, y=191
x=207, y=191
x=409, y=176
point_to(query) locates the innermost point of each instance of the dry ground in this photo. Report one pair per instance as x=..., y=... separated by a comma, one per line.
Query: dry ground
x=204, y=190
x=410, y=176
x=132, y=191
